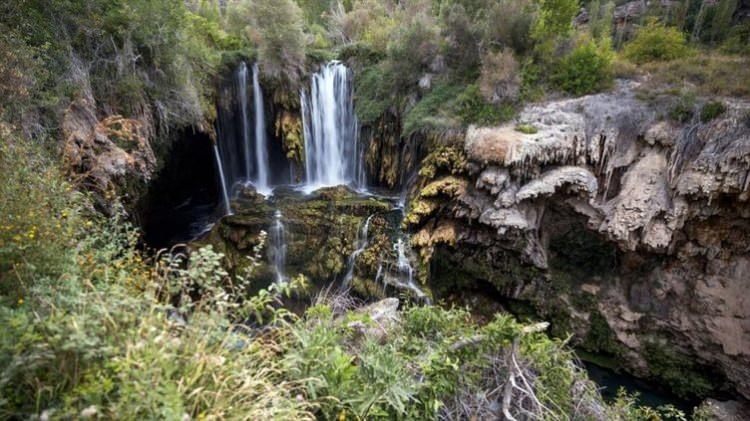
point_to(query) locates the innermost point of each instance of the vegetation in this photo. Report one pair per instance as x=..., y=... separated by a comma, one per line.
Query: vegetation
x=95, y=327
x=656, y=42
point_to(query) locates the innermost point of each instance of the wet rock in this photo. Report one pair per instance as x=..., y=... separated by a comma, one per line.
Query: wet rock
x=109, y=157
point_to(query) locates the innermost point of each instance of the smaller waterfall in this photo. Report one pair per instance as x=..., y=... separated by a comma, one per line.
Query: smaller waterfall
x=277, y=247
x=400, y=275
x=222, y=180
x=405, y=271
x=261, y=140
x=362, y=243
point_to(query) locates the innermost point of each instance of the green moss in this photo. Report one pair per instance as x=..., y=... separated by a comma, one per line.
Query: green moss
x=449, y=159
x=684, y=376
x=600, y=338
x=526, y=129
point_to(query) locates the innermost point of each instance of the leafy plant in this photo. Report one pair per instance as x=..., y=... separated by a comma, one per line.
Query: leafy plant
x=656, y=42
x=587, y=69
x=712, y=110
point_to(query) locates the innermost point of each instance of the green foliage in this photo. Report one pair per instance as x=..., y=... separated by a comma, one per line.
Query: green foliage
x=473, y=108
x=372, y=94
x=275, y=28
x=449, y=107
x=412, y=47
x=40, y=217
x=554, y=19
x=656, y=42
x=711, y=110
x=738, y=39
x=587, y=69
x=432, y=111
x=682, y=111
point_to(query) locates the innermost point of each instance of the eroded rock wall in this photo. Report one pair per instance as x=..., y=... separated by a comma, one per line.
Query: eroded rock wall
x=618, y=225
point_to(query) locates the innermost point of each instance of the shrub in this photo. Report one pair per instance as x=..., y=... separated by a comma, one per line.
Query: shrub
x=412, y=47
x=39, y=217
x=683, y=110
x=432, y=111
x=587, y=69
x=276, y=28
x=372, y=94
x=500, y=79
x=656, y=42
x=738, y=39
x=508, y=25
x=712, y=110
x=472, y=108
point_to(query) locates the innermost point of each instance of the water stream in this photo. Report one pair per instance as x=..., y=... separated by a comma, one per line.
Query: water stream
x=222, y=181
x=363, y=242
x=277, y=246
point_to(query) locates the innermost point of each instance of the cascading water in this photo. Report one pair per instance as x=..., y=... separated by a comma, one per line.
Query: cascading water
x=243, y=140
x=362, y=242
x=405, y=271
x=332, y=152
x=245, y=116
x=277, y=247
x=223, y=181
x=261, y=141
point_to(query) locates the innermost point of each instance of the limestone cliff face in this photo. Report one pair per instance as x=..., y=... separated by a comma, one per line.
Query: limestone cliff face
x=112, y=158
x=620, y=226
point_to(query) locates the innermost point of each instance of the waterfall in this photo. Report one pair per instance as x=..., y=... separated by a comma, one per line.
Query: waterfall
x=277, y=247
x=222, y=180
x=261, y=141
x=333, y=155
x=255, y=147
x=245, y=115
x=405, y=272
x=362, y=243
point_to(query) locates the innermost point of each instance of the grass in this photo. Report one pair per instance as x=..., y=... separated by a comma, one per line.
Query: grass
x=708, y=74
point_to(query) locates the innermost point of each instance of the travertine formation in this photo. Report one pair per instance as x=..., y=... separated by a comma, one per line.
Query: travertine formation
x=626, y=228
x=108, y=157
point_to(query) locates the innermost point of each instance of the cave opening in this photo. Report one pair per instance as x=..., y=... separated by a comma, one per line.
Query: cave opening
x=184, y=198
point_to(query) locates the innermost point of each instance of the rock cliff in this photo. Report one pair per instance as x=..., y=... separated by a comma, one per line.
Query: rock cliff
x=618, y=224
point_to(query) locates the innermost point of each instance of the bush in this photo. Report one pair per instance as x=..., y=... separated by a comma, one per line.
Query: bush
x=412, y=48
x=683, y=110
x=39, y=218
x=712, y=110
x=276, y=28
x=587, y=69
x=656, y=42
x=500, y=79
x=508, y=25
x=472, y=108
x=738, y=39
x=526, y=129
